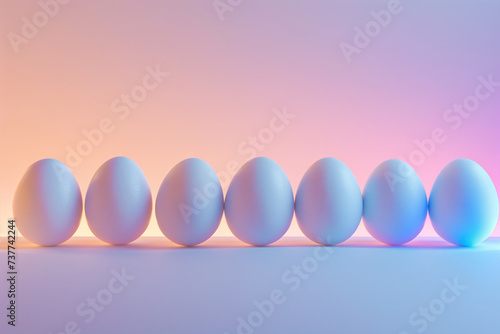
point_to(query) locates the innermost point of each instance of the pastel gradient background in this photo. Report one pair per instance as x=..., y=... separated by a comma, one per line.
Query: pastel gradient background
x=226, y=76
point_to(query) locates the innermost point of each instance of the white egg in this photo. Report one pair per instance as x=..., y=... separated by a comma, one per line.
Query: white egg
x=328, y=204
x=259, y=202
x=190, y=203
x=47, y=203
x=118, y=203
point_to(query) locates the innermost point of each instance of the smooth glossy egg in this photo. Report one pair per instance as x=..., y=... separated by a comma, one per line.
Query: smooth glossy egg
x=463, y=204
x=394, y=203
x=328, y=204
x=47, y=203
x=190, y=203
x=118, y=203
x=259, y=202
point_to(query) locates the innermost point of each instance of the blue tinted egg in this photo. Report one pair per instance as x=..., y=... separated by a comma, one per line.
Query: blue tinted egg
x=463, y=204
x=190, y=203
x=259, y=202
x=328, y=204
x=394, y=203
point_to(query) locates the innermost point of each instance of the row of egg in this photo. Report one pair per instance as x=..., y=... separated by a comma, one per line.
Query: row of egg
x=259, y=204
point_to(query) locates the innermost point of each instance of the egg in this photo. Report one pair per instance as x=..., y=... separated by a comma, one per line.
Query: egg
x=463, y=204
x=118, y=203
x=328, y=203
x=190, y=203
x=259, y=202
x=394, y=203
x=47, y=203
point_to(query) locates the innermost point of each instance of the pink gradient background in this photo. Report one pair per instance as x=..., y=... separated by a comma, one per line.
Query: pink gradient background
x=226, y=77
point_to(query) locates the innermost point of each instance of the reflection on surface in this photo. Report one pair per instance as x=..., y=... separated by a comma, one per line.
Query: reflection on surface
x=360, y=286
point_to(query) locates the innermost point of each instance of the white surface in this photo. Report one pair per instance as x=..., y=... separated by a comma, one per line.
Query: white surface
x=361, y=287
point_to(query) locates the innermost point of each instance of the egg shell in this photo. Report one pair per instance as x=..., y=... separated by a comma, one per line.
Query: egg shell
x=328, y=203
x=47, y=203
x=118, y=203
x=463, y=204
x=394, y=203
x=259, y=202
x=190, y=203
